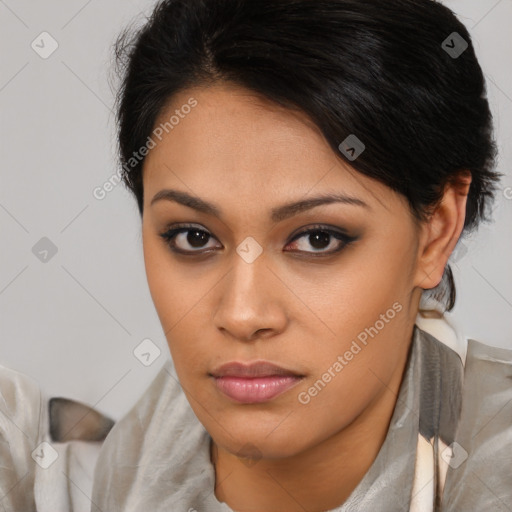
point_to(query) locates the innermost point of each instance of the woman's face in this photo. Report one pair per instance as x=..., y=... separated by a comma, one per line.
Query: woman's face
x=246, y=283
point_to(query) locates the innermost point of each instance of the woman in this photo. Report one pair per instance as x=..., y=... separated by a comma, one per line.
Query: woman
x=303, y=170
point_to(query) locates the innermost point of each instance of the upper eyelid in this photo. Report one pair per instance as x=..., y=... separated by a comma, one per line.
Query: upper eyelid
x=299, y=231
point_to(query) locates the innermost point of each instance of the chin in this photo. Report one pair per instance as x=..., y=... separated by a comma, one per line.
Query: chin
x=254, y=445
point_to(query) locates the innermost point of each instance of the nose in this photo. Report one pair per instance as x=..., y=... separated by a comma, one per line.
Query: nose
x=250, y=303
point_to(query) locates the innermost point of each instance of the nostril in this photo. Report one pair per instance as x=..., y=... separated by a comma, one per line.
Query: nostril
x=261, y=333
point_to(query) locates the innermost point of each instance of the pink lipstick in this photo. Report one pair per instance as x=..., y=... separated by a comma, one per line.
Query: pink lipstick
x=255, y=382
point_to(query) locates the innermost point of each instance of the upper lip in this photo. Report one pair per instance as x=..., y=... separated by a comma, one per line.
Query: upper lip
x=254, y=369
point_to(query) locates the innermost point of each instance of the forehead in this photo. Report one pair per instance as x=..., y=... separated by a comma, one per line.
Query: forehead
x=234, y=144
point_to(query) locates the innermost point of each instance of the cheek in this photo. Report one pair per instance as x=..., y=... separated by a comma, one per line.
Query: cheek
x=337, y=302
x=336, y=401
x=360, y=316
x=169, y=294
x=179, y=297
x=160, y=280
x=172, y=288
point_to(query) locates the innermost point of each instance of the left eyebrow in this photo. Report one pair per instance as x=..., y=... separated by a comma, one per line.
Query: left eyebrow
x=277, y=214
x=288, y=210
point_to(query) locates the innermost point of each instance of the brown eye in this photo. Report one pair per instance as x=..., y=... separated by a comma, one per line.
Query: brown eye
x=185, y=239
x=321, y=238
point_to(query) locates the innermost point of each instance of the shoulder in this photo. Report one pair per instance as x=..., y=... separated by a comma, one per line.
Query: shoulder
x=487, y=377
x=21, y=405
x=22, y=421
x=487, y=395
x=123, y=449
x=163, y=393
x=480, y=353
x=140, y=450
x=488, y=385
x=480, y=475
x=45, y=444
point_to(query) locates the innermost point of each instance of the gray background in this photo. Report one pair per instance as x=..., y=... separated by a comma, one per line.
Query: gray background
x=72, y=322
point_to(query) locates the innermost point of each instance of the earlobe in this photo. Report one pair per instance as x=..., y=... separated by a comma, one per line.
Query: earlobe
x=441, y=232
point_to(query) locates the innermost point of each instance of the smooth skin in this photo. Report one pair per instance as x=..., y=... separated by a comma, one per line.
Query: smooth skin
x=291, y=305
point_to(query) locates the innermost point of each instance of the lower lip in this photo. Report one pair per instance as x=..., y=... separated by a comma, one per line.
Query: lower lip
x=257, y=389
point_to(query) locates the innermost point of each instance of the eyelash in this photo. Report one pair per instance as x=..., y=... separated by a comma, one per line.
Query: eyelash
x=170, y=235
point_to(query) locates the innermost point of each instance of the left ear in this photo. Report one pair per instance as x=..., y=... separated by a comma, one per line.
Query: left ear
x=441, y=232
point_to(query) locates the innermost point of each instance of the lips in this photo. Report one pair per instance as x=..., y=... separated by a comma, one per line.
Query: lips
x=256, y=369
x=257, y=382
